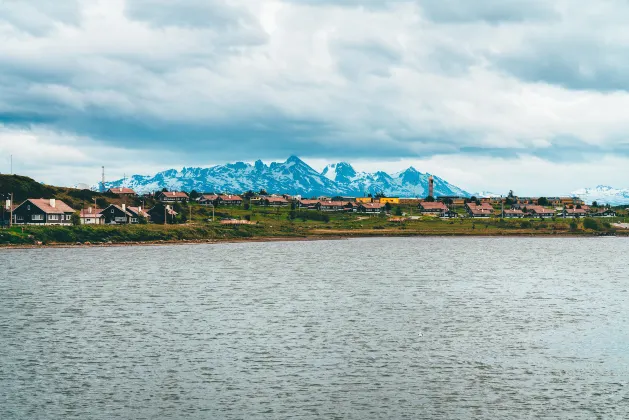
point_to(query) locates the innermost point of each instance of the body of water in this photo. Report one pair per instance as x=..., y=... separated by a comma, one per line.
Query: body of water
x=402, y=328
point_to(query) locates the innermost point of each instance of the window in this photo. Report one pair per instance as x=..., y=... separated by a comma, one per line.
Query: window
x=50, y=217
x=68, y=217
x=19, y=217
x=112, y=211
x=37, y=217
x=28, y=207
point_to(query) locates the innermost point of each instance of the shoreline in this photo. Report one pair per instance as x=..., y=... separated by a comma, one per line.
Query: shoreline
x=308, y=238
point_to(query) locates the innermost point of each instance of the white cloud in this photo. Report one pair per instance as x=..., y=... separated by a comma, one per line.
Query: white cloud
x=238, y=80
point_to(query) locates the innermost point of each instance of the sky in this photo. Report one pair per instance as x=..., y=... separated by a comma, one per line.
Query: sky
x=492, y=95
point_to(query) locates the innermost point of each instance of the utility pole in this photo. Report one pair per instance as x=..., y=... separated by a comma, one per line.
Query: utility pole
x=11, y=164
x=11, y=209
x=164, y=213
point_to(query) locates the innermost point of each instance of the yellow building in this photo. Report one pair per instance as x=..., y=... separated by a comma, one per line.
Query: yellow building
x=364, y=199
x=390, y=200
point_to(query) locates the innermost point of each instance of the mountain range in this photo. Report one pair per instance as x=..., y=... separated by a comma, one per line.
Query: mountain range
x=604, y=194
x=293, y=177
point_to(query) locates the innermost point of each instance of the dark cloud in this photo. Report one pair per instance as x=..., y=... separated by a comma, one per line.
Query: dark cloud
x=219, y=14
x=491, y=11
x=570, y=62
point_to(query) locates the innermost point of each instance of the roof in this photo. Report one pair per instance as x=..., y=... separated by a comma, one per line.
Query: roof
x=118, y=207
x=309, y=202
x=538, y=209
x=371, y=205
x=176, y=194
x=137, y=211
x=230, y=197
x=576, y=211
x=426, y=205
x=334, y=203
x=484, y=206
x=514, y=211
x=276, y=200
x=478, y=210
x=121, y=190
x=208, y=197
x=91, y=212
x=44, y=205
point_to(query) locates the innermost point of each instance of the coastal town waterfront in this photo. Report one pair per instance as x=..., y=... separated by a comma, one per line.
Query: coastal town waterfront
x=366, y=328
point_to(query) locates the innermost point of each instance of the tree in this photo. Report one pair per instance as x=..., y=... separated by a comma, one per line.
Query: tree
x=542, y=201
x=574, y=225
x=380, y=195
x=75, y=219
x=387, y=207
x=263, y=192
x=398, y=211
x=446, y=201
x=511, y=195
x=589, y=223
x=246, y=205
x=594, y=204
x=164, y=189
x=578, y=206
x=101, y=203
x=249, y=194
x=142, y=220
x=430, y=199
x=194, y=195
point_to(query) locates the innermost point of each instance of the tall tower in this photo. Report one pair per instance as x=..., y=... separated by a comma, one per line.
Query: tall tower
x=431, y=186
x=102, y=182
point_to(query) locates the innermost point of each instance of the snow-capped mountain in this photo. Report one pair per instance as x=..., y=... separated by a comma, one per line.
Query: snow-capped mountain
x=486, y=194
x=604, y=194
x=291, y=177
x=408, y=183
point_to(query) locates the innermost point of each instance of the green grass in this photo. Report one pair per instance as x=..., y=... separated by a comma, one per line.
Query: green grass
x=274, y=222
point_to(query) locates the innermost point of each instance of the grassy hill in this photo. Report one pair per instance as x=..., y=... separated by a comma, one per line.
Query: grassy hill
x=24, y=187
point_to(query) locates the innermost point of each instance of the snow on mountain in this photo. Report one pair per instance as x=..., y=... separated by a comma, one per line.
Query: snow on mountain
x=486, y=194
x=604, y=194
x=293, y=177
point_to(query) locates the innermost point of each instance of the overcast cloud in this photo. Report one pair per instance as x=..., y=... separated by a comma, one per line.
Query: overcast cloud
x=480, y=92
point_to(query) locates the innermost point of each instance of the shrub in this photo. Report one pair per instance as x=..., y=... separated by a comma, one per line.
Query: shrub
x=525, y=224
x=589, y=223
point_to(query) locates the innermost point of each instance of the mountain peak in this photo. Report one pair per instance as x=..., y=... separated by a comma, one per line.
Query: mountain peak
x=294, y=159
x=293, y=176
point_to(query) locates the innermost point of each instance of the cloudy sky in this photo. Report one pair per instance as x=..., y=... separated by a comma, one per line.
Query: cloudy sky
x=530, y=95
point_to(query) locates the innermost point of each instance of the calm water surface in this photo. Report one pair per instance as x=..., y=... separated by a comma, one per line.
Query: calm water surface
x=362, y=329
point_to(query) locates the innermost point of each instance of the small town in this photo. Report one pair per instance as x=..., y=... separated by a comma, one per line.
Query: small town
x=275, y=214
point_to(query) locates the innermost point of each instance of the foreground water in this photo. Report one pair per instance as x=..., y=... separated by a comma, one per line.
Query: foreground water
x=368, y=328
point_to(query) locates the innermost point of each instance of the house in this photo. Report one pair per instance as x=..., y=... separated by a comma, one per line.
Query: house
x=435, y=207
x=364, y=199
x=91, y=216
x=172, y=197
x=390, y=200
x=512, y=214
x=335, y=206
x=539, y=211
x=602, y=212
x=482, y=210
x=230, y=200
x=309, y=204
x=137, y=213
x=370, y=208
x=116, y=215
x=274, y=202
x=208, y=199
x=43, y=212
x=574, y=213
x=122, y=191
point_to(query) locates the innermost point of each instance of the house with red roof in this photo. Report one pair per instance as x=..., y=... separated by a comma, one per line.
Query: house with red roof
x=43, y=211
x=122, y=191
x=172, y=197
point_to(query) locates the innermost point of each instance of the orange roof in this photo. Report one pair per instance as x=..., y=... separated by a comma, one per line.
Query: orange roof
x=177, y=194
x=372, y=205
x=91, y=212
x=122, y=190
x=433, y=206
